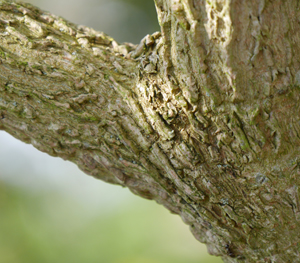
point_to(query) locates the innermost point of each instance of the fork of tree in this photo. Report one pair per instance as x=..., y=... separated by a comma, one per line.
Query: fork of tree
x=202, y=117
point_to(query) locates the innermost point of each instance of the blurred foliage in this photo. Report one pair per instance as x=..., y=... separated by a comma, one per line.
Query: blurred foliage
x=124, y=20
x=146, y=6
x=45, y=228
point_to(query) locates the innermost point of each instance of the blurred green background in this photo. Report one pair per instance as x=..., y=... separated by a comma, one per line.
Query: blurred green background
x=52, y=212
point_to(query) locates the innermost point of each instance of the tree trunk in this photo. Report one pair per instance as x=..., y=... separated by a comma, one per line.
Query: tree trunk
x=202, y=117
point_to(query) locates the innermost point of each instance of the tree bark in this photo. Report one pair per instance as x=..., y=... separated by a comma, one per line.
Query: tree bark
x=202, y=117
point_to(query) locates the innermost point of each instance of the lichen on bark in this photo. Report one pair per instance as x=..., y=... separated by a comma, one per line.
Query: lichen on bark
x=202, y=117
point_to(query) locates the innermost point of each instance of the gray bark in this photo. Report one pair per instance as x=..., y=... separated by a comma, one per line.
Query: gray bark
x=202, y=117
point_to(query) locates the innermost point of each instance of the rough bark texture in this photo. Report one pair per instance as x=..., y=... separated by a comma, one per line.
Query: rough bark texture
x=202, y=117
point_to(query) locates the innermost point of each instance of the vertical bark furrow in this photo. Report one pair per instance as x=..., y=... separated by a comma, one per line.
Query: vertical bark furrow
x=248, y=118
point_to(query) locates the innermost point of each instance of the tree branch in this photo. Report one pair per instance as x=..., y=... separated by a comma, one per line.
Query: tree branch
x=69, y=91
x=59, y=82
x=202, y=117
